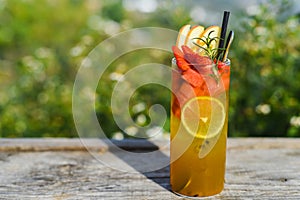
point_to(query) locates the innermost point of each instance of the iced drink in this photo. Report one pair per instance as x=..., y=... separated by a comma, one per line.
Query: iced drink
x=199, y=115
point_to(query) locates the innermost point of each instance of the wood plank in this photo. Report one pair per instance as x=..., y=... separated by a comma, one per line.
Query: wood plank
x=76, y=144
x=257, y=168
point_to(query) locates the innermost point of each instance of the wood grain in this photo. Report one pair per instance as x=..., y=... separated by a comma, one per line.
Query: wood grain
x=257, y=168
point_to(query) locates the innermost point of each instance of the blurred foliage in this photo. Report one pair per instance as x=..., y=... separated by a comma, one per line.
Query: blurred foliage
x=265, y=92
x=43, y=42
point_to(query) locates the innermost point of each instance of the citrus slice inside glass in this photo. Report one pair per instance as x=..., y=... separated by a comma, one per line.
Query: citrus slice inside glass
x=203, y=117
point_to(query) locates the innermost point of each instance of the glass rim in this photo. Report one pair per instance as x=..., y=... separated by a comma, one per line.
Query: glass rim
x=227, y=62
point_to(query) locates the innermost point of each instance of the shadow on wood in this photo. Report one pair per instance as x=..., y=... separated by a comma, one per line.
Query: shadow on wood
x=146, y=158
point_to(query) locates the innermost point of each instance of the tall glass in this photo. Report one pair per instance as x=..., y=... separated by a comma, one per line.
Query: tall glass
x=199, y=118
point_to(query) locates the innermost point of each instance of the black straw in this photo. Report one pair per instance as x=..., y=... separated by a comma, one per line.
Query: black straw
x=223, y=31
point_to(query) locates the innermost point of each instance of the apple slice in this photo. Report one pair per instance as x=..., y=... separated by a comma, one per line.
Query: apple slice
x=211, y=32
x=182, y=35
x=195, y=32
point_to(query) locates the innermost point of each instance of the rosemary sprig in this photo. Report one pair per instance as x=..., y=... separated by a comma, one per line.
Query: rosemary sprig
x=211, y=52
x=215, y=54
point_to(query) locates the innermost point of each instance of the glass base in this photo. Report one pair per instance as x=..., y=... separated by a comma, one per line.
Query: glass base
x=191, y=197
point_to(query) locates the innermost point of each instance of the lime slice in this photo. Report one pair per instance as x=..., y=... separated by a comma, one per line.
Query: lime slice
x=203, y=117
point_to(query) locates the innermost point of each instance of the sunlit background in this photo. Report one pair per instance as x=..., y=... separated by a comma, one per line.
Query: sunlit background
x=43, y=42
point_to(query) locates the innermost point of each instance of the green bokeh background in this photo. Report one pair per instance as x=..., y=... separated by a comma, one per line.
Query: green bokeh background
x=42, y=43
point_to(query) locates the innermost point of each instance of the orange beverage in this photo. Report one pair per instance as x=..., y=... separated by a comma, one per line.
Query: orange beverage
x=199, y=118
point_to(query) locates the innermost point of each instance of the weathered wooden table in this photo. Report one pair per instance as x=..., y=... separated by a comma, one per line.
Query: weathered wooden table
x=257, y=168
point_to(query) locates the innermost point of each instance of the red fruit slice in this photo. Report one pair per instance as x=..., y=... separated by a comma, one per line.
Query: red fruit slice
x=180, y=61
x=224, y=71
x=181, y=95
x=202, y=90
x=193, y=77
x=184, y=92
x=195, y=59
x=177, y=52
x=187, y=50
x=204, y=61
x=176, y=107
x=189, y=55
